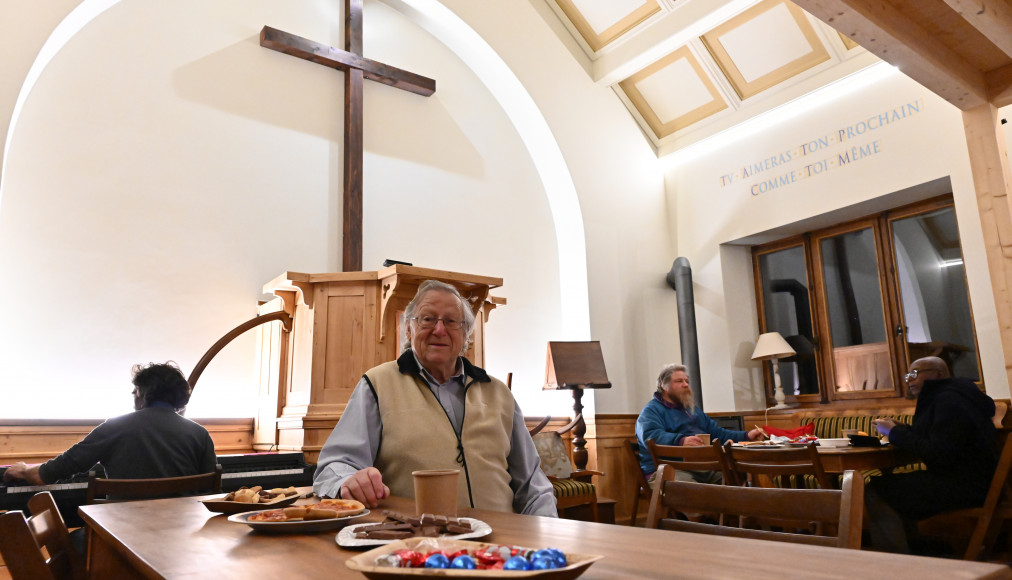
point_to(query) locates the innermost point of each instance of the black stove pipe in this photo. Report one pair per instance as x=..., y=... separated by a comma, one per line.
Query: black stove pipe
x=680, y=280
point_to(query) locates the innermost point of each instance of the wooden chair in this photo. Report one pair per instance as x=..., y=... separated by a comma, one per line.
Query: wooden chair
x=642, y=490
x=541, y=424
x=1000, y=410
x=571, y=487
x=25, y=543
x=787, y=467
x=689, y=457
x=100, y=488
x=987, y=520
x=836, y=511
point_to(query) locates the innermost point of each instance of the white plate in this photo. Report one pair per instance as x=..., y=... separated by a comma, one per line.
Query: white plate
x=298, y=526
x=346, y=537
x=834, y=442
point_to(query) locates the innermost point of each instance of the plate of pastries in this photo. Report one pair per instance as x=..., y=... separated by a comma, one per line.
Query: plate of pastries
x=328, y=514
x=246, y=499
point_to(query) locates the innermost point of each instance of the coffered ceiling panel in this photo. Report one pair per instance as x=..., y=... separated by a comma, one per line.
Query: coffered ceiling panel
x=690, y=68
x=673, y=93
x=602, y=21
x=765, y=46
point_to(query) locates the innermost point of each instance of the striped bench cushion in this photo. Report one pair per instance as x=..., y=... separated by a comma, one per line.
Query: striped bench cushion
x=572, y=488
x=832, y=427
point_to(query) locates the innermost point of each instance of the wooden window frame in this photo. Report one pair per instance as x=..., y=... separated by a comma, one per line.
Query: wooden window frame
x=881, y=225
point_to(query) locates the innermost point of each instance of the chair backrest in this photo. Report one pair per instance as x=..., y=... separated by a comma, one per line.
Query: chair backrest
x=22, y=541
x=1000, y=409
x=835, y=511
x=100, y=488
x=554, y=455
x=633, y=453
x=689, y=457
x=541, y=425
x=789, y=464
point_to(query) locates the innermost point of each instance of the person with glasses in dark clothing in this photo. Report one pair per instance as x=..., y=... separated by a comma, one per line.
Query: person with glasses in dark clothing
x=952, y=433
x=432, y=409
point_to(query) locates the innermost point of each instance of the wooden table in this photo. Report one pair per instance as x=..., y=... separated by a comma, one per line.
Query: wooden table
x=179, y=538
x=839, y=459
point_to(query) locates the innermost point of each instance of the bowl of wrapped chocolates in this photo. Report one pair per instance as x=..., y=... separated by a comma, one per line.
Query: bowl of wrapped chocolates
x=444, y=557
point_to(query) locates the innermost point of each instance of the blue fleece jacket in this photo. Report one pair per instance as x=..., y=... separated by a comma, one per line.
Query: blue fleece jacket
x=667, y=424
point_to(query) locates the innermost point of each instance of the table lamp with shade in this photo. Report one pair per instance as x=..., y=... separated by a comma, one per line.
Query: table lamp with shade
x=771, y=346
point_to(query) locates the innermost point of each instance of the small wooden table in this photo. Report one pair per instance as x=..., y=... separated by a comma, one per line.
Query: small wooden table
x=840, y=459
x=179, y=538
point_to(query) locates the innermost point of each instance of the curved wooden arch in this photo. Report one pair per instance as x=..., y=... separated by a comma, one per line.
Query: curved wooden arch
x=284, y=317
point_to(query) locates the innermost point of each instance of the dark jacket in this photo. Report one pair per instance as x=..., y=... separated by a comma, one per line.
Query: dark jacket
x=952, y=433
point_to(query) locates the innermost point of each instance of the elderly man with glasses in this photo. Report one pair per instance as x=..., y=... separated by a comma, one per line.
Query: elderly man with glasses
x=433, y=409
x=953, y=435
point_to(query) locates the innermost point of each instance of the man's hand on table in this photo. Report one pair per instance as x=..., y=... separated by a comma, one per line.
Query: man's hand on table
x=693, y=441
x=755, y=434
x=366, y=486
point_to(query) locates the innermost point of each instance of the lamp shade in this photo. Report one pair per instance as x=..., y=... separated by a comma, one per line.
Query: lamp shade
x=771, y=345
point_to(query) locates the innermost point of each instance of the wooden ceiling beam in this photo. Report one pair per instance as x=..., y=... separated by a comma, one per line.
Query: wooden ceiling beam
x=999, y=83
x=884, y=31
x=992, y=18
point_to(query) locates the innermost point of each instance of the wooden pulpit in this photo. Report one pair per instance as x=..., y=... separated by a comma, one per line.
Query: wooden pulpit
x=343, y=324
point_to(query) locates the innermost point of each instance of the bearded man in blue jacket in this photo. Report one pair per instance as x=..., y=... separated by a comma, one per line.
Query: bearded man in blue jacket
x=672, y=418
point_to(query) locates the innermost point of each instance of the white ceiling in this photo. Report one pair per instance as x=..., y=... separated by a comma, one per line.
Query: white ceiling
x=689, y=69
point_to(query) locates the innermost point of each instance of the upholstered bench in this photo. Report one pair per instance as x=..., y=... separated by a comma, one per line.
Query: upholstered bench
x=832, y=426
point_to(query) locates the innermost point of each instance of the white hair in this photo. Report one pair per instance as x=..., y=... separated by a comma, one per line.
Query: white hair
x=467, y=316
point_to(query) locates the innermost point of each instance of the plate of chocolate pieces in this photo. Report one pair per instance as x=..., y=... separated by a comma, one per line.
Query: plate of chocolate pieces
x=398, y=526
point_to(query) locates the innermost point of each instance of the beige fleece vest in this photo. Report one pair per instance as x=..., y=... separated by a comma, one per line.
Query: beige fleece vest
x=417, y=434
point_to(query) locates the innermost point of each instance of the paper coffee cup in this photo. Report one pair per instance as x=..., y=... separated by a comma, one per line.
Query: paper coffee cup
x=436, y=491
x=705, y=437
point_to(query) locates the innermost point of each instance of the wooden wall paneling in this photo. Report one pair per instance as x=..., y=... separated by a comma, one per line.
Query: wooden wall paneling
x=38, y=440
x=230, y=435
x=606, y=437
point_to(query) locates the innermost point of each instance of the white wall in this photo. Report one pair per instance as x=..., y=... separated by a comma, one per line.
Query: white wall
x=165, y=166
x=713, y=217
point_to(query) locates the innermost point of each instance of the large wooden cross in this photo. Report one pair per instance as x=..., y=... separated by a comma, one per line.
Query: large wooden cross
x=356, y=68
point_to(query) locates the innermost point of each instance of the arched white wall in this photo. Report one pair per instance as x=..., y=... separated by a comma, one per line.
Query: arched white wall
x=190, y=166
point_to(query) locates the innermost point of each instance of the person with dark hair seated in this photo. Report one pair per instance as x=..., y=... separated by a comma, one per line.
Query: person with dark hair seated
x=154, y=441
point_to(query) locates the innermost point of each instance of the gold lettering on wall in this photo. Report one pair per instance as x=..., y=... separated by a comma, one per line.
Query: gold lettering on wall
x=840, y=148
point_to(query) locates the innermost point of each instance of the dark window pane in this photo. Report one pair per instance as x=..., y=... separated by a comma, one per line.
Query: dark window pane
x=936, y=309
x=854, y=303
x=786, y=304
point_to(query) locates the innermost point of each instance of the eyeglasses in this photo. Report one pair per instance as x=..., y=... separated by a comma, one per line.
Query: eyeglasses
x=430, y=322
x=913, y=375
